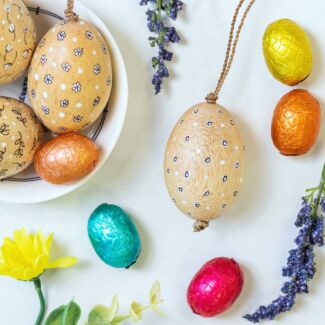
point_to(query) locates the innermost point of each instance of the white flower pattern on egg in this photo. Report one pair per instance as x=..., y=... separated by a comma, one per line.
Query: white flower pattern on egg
x=64, y=70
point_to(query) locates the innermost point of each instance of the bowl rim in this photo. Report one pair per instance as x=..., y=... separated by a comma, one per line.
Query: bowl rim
x=123, y=79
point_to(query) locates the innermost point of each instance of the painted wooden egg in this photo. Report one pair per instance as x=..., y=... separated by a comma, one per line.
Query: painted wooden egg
x=204, y=162
x=70, y=78
x=215, y=287
x=20, y=136
x=17, y=39
x=296, y=123
x=114, y=236
x=287, y=51
x=66, y=158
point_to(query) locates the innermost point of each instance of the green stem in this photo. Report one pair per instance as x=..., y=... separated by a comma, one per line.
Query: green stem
x=159, y=6
x=321, y=188
x=38, y=288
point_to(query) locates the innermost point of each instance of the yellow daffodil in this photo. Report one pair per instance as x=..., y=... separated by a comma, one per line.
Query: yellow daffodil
x=27, y=256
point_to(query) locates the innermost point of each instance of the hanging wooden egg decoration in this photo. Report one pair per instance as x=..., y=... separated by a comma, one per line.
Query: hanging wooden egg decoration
x=205, y=155
x=20, y=136
x=205, y=162
x=70, y=78
x=17, y=39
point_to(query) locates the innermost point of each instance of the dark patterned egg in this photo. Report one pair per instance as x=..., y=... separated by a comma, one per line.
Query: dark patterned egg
x=17, y=39
x=70, y=78
x=20, y=136
x=204, y=162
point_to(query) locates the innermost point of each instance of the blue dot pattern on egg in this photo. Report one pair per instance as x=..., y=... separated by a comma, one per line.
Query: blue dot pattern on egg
x=114, y=236
x=204, y=161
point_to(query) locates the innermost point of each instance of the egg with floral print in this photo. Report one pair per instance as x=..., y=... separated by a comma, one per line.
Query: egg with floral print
x=20, y=136
x=70, y=77
x=17, y=39
x=204, y=163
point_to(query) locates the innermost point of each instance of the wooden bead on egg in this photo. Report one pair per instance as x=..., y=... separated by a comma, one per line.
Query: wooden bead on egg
x=17, y=39
x=204, y=162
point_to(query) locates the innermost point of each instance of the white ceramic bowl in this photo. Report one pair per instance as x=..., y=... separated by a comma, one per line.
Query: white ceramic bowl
x=25, y=187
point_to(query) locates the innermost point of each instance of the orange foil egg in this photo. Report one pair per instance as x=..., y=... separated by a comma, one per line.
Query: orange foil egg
x=66, y=158
x=296, y=123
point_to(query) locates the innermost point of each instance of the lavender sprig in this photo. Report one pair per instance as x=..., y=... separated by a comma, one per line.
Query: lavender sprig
x=301, y=266
x=156, y=18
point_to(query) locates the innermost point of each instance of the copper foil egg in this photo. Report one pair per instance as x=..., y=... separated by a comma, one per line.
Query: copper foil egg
x=66, y=158
x=296, y=123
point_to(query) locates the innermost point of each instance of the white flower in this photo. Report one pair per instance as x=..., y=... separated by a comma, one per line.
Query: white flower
x=48, y=79
x=97, y=69
x=66, y=67
x=96, y=101
x=45, y=110
x=64, y=103
x=7, y=8
x=61, y=36
x=76, y=87
x=77, y=118
x=89, y=35
x=43, y=59
x=78, y=51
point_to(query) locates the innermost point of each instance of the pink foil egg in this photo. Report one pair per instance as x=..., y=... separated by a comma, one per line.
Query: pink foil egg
x=215, y=288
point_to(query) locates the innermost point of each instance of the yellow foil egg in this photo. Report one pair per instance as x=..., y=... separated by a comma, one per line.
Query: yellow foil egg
x=20, y=136
x=287, y=51
x=70, y=78
x=204, y=162
x=17, y=39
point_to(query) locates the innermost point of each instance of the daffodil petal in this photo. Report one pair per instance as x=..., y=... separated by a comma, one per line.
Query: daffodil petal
x=24, y=244
x=62, y=262
x=48, y=242
x=26, y=256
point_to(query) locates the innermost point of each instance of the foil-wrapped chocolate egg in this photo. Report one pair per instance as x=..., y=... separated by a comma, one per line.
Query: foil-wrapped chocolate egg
x=114, y=236
x=215, y=287
x=204, y=162
x=17, y=39
x=20, y=136
x=287, y=51
x=70, y=78
x=66, y=158
x=296, y=123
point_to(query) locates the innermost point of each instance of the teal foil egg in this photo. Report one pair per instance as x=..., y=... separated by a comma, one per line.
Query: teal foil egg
x=114, y=236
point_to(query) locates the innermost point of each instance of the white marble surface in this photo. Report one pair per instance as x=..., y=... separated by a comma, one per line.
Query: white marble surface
x=257, y=231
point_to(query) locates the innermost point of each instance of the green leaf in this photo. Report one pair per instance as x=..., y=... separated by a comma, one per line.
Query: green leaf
x=156, y=309
x=64, y=315
x=155, y=62
x=154, y=295
x=71, y=314
x=99, y=315
x=135, y=312
x=113, y=310
x=55, y=316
